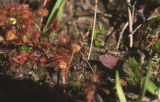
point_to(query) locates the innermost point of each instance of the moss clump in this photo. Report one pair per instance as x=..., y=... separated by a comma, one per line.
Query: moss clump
x=135, y=74
x=156, y=45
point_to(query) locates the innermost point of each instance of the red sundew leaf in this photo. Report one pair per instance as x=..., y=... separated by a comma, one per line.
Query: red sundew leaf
x=90, y=95
x=22, y=58
x=32, y=58
x=123, y=82
x=108, y=60
x=43, y=60
x=46, y=43
x=21, y=6
x=43, y=12
x=26, y=14
x=65, y=40
x=3, y=19
x=15, y=59
x=62, y=51
x=37, y=36
x=11, y=35
x=59, y=57
x=25, y=37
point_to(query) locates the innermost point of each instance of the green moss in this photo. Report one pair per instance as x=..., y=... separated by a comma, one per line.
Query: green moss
x=9, y=73
x=76, y=85
x=97, y=32
x=95, y=67
x=156, y=45
x=135, y=75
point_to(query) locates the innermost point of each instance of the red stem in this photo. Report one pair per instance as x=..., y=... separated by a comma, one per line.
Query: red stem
x=65, y=76
x=43, y=6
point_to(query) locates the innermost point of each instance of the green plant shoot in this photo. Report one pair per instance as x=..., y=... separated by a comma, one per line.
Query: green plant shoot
x=1, y=39
x=119, y=89
x=145, y=83
x=13, y=20
x=152, y=88
x=97, y=32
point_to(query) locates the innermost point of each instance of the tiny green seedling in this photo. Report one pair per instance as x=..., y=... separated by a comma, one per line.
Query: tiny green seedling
x=1, y=39
x=25, y=49
x=97, y=32
x=95, y=67
x=75, y=84
x=13, y=20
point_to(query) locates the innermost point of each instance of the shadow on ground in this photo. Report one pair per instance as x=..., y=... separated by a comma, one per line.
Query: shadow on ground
x=12, y=90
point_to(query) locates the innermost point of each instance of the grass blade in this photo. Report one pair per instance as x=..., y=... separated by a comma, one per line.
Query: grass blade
x=119, y=89
x=151, y=87
x=60, y=11
x=55, y=8
x=146, y=81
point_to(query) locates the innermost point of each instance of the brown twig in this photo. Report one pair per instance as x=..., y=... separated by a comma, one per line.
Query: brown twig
x=130, y=24
x=135, y=29
x=152, y=17
x=83, y=57
x=120, y=37
x=131, y=16
x=94, y=23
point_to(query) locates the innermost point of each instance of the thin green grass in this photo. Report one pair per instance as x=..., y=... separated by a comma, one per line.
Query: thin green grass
x=56, y=12
x=146, y=82
x=119, y=89
x=152, y=88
